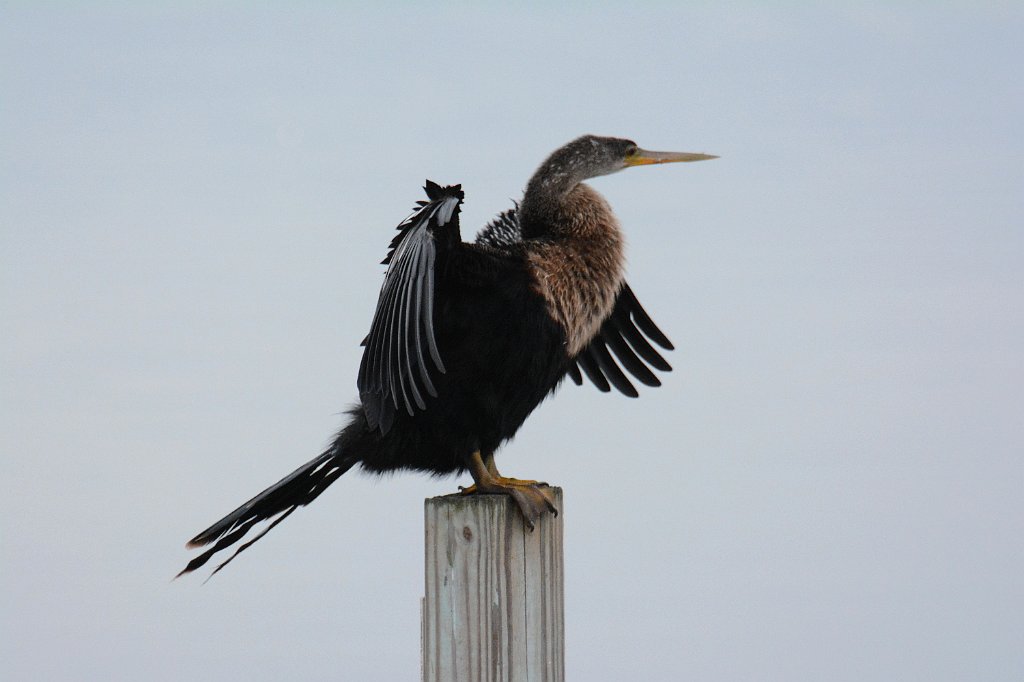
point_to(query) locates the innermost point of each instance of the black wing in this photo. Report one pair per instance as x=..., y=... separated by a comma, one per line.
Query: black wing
x=401, y=354
x=625, y=334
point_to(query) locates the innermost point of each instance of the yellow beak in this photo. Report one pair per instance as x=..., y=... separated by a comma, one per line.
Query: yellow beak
x=643, y=157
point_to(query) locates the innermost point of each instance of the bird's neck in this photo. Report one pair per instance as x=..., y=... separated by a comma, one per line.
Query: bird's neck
x=576, y=254
x=546, y=205
x=565, y=210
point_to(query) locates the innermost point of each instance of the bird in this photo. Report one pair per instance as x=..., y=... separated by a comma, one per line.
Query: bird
x=469, y=337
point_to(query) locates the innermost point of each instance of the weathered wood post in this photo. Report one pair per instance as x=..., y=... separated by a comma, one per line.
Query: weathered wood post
x=494, y=607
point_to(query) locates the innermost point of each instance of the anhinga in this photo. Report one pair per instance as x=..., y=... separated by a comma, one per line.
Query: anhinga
x=468, y=338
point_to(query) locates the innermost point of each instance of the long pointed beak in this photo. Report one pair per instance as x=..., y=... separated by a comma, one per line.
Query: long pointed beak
x=643, y=157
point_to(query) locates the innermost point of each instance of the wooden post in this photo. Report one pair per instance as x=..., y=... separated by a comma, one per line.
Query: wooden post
x=494, y=606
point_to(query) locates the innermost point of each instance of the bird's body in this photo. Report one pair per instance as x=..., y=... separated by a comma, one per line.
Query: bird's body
x=503, y=355
x=469, y=338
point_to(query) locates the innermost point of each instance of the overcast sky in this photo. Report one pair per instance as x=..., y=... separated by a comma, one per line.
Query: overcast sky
x=194, y=202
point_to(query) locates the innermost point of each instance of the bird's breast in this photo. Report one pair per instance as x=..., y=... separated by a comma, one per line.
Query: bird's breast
x=579, y=274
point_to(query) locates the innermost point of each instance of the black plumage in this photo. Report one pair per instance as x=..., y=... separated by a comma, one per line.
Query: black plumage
x=469, y=337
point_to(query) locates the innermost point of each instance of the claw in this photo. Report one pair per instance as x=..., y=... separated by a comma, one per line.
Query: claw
x=528, y=495
x=517, y=481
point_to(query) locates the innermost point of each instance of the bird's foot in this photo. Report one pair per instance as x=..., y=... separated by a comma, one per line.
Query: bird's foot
x=529, y=496
x=504, y=481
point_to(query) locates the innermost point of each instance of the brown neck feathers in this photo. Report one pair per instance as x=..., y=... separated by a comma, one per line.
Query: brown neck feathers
x=578, y=264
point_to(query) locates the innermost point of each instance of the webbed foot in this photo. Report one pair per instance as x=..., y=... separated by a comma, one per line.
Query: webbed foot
x=529, y=496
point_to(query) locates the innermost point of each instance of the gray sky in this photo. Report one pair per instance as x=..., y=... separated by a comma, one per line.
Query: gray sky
x=193, y=203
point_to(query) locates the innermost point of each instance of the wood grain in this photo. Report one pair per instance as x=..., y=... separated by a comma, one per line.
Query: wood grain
x=494, y=605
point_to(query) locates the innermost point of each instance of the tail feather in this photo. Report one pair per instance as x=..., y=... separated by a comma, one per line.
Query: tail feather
x=274, y=504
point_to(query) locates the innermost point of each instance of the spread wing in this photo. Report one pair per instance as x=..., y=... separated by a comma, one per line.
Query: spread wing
x=623, y=342
x=401, y=358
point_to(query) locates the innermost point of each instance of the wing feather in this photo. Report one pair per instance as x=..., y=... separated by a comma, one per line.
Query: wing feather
x=638, y=342
x=409, y=328
x=574, y=374
x=628, y=358
x=421, y=298
x=622, y=343
x=610, y=368
x=428, y=306
x=589, y=366
x=399, y=341
x=401, y=358
x=643, y=320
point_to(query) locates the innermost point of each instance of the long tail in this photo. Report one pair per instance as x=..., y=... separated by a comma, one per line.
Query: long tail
x=295, y=490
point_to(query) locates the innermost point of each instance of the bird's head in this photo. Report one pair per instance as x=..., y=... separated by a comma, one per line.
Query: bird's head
x=590, y=156
x=585, y=157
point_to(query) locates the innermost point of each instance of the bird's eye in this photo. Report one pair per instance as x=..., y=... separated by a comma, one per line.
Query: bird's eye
x=631, y=150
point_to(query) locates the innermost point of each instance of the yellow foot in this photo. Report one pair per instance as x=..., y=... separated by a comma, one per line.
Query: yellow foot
x=501, y=480
x=531, y=499
x=519, y=482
